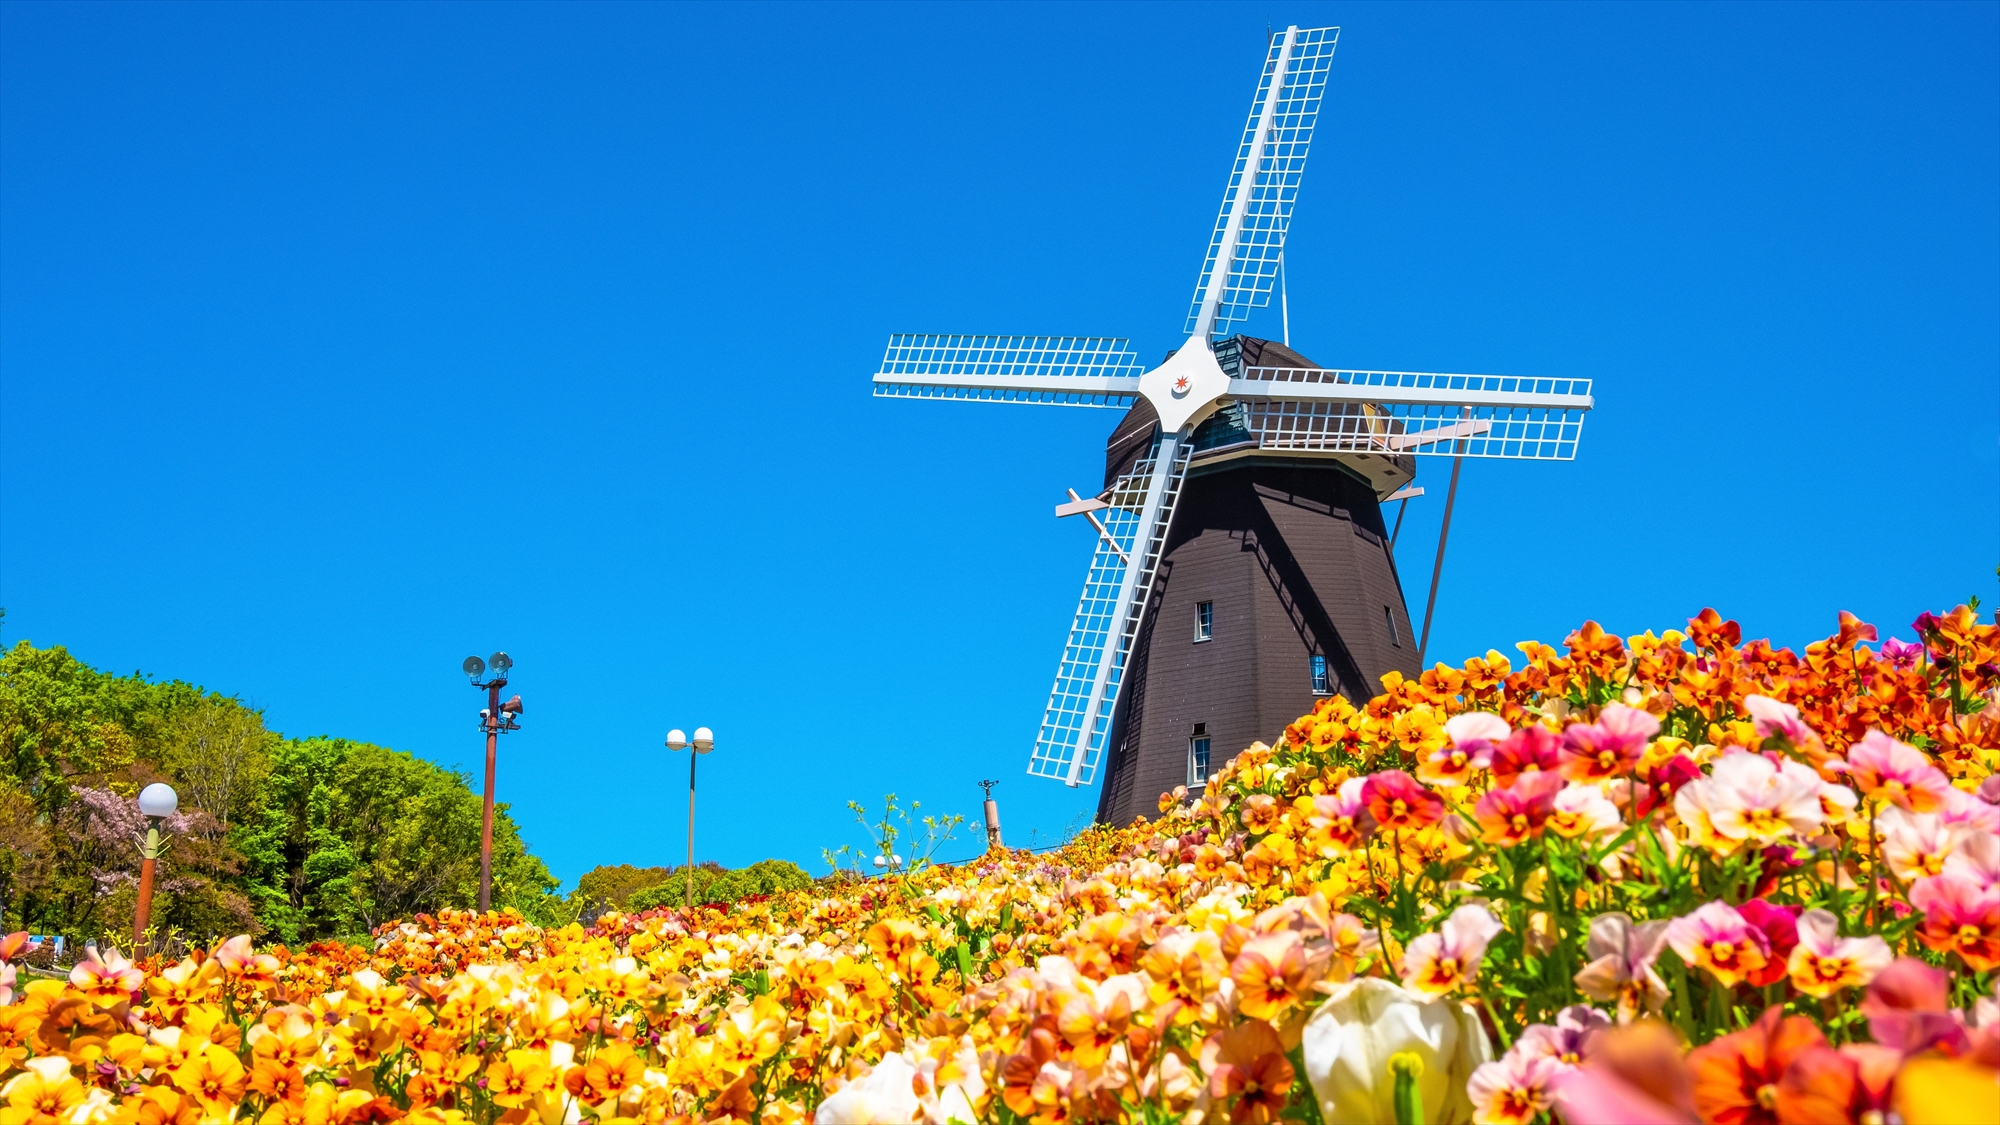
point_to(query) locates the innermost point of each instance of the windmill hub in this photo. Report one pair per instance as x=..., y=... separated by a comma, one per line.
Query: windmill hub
x=1241, y=565
x=1185, y=388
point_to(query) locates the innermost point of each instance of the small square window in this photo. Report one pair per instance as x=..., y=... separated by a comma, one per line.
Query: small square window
x=1198, y=756
x=1204, y=621
x=1389, y=619
x=1321, y=684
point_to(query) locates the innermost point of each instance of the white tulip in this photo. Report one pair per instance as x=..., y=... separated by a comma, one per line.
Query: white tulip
x=1350, y=1039
x=880, y=1097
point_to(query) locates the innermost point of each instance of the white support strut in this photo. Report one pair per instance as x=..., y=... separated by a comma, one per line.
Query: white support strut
x=1239, y=204
x=1165, y=459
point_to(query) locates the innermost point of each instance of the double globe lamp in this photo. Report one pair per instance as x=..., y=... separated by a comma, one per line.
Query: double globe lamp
x=703, y=742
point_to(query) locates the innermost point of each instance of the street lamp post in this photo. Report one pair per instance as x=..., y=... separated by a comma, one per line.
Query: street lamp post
x=495, y=718
x=156, y=802
x=703, y=743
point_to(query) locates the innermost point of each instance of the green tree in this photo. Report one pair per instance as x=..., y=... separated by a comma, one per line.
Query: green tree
x=611, y=886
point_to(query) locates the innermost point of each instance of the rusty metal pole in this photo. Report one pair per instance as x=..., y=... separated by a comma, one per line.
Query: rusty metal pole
x=143, y=916
x=1437, y=568
x=486, y=815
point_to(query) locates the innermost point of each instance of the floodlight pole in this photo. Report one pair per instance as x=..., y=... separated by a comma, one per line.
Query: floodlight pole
x=492, y=725
x=492, y=721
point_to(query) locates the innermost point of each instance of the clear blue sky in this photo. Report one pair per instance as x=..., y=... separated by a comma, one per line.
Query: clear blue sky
x=338, y=342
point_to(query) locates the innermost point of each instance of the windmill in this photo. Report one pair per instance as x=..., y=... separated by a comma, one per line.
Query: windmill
x=1286, y=458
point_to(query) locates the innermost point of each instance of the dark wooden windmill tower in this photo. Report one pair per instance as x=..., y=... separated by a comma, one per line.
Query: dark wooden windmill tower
x=1240, y=567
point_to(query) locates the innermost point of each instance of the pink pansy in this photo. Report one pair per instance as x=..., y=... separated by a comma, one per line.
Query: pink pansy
x=1901, y=655
x=1717, y=938
x=1513, y=1091
x=1976, y=859
x=1961, y=917
x=1620, y=971
x=1989, y=790
x=1473, y=736
x=1836, y=802
x=1440, y=962
x=107, y=977
x=6, y=984
x=1916, y=845
x=1907, y=1009
x=1527, y=750
x=1583, y=810
x=1565, y=1041
x=1751, y=799
x=1778, y=720
x=1518, y=812
x=1476, y=733
x=1963, y=810
x=1608, y=748
x=1881, y=767
x=1823, y=962
x=1780, y=927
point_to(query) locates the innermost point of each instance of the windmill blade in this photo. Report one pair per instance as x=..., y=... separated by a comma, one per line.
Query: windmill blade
x=1413, y=412
x=1101, y=371
x=1070, y=745
x=1263, y=184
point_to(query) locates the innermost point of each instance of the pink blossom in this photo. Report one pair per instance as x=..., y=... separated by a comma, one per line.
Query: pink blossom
x=1518, y=812
x=107, y=977
x=1963, y=810
x=1823, y=962
x=1527, y=750
x=1565, y=1041
x=1476, y=733
x=1916, y=845
x=1609, y=747
x=1961, y=917
x=1717, y=938
x=1512, y=1091
x=1583, y=810
x=1779, y=720
x=1882, y=767
x=1977, y=859
x=1751, y=799
x=1440, y=962
x=1620, y=971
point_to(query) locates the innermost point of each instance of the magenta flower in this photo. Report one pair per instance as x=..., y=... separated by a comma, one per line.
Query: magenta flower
x=1901, y=655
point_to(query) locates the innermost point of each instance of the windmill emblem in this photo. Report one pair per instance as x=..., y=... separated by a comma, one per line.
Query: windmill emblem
x=1276, y=466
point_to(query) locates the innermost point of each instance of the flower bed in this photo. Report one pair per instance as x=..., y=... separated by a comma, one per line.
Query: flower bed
x=1657, y=879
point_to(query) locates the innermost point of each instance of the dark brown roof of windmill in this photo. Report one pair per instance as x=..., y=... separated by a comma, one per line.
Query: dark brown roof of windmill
x=1135, y=430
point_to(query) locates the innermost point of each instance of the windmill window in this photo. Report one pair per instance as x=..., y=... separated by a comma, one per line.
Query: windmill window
x=1197, y=772
x=1204, y=621
x=1321, y=684
x=1389, y=619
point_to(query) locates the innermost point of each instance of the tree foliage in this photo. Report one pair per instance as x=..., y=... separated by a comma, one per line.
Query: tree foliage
x=299, y=838
x=715, y=885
